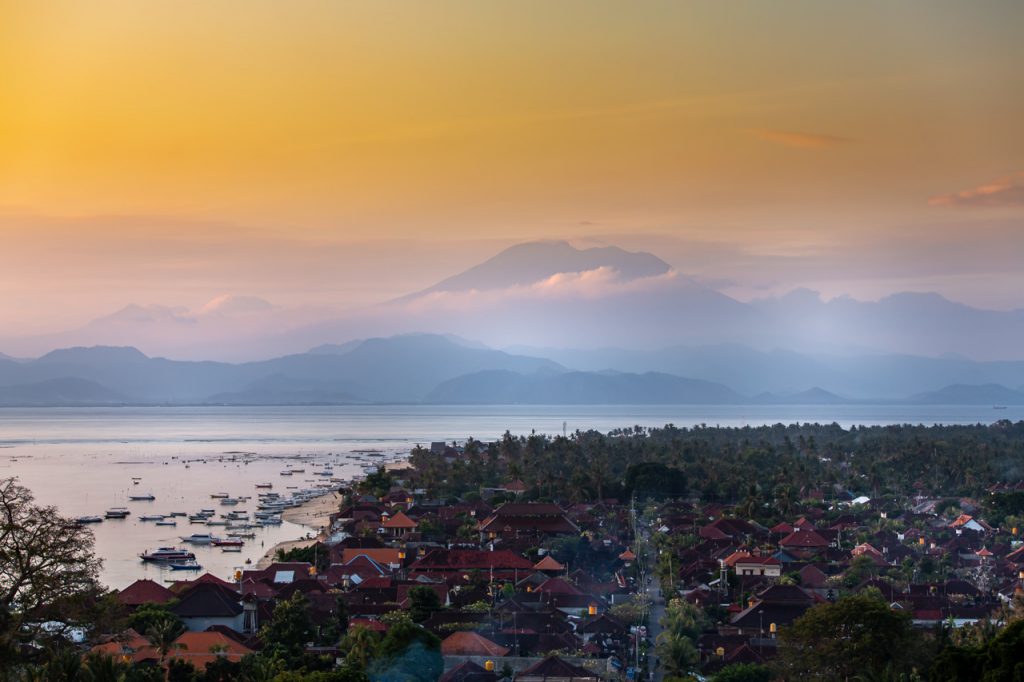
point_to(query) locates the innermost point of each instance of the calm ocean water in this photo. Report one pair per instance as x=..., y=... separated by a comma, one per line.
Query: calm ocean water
x=83, y=460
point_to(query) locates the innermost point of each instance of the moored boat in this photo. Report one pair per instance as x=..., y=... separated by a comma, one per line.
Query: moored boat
x=89, y=519
x=147, y=497
x=116, y=513
x=167, y=554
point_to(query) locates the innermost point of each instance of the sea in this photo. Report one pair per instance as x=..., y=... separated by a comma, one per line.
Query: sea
x=84, y=461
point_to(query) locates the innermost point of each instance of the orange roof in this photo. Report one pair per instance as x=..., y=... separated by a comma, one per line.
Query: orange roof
x=627, y=555
x=471, y=644
x=548, y=563
x=200, y=648
x=399, y=520
x=983, y=552
x=129, y=643
x=382, y=555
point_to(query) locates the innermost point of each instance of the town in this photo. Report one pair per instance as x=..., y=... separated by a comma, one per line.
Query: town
x=665, y=554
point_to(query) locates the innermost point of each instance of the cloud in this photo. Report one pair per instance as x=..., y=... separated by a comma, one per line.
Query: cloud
x=602, y=282
x=1006, y=191
x=802, y=140
x=229, y=304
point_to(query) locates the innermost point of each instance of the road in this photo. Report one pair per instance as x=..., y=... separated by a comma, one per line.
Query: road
x=653, y=588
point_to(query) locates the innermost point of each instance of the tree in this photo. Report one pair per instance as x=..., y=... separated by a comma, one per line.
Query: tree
x=423, y=601
x=857, y=635
x=163, y=635
x=408, y=653
x=360, y=646
x=290, y=628
x=743, y=672
x=44, y=558
x=676, y=645
x=148, y=615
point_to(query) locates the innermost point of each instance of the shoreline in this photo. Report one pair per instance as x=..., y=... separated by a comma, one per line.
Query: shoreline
x=314, y=514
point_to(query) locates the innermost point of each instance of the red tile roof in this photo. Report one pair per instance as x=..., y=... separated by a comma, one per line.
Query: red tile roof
x=471, y=644
x=144, y=592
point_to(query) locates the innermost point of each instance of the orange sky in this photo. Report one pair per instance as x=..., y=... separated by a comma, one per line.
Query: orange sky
x=172, y=152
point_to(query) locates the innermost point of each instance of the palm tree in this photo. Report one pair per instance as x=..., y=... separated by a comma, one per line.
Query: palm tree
x=163, y=635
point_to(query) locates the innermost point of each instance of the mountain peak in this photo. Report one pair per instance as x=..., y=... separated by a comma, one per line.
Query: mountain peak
x=531, y=262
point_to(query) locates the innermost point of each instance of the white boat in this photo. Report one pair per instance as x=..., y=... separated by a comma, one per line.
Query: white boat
x=231, y=549
x=198, y=538
x=165, y=554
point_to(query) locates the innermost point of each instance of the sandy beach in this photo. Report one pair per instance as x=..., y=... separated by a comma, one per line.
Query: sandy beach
x=315, y=514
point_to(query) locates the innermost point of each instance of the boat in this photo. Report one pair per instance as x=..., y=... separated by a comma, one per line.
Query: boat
x=148, y=497
x=152, y=517
x=286, y=472
x=198, y=538
x=165, y=554
x=116, y=513
x=227, y=542
x=185, y=566
x=229, y=501
x=237, y=534
x=89, y=519
x=231, y=548
x=167, y=523
x=264, y=485
x=217, y=496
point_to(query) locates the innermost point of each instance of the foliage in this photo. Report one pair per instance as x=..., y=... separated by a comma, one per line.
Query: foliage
x=857, y=635
x=743, y=672
x=423, y=602
x=408, y=653
x=1000, y=659
x=289, y=629
x=316, y=554
x=146, y=616
x=676, y=645
x=44, y=557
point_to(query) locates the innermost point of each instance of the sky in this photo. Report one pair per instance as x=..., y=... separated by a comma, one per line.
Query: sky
x=323, y=155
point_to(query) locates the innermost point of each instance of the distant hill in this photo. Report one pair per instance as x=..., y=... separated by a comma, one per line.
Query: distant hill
x=813, y=396
x=66, y=391
x=986, y=394
x=579, y=388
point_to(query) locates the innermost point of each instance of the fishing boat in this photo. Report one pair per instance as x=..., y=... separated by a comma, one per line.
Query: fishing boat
x=147, y=497
x=89, y=519
x=217, y=496
x=264, y=485
x=229, y=501
x=231, y=548
x=151, y=517
x=116, y=513
x=167, y=554
x=286, y=472
x=185, y=566
x=167, y=523
x=227, y=542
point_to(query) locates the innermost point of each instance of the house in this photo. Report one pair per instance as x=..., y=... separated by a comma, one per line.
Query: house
x=144, y=592
x=744, y=564
x=200, y=648
x=554, y=669
x=207, y=604
x=469, y=672
x=526, y=519
x=471, y=644
x=398, y=525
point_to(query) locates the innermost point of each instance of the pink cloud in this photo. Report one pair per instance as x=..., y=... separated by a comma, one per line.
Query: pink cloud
x=1006, y=191
x=791, y=138
x=599, y=283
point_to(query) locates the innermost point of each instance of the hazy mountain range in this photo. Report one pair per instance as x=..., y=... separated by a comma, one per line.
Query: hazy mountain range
x=552, y=295
x=404, y=369
x=599, y=325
